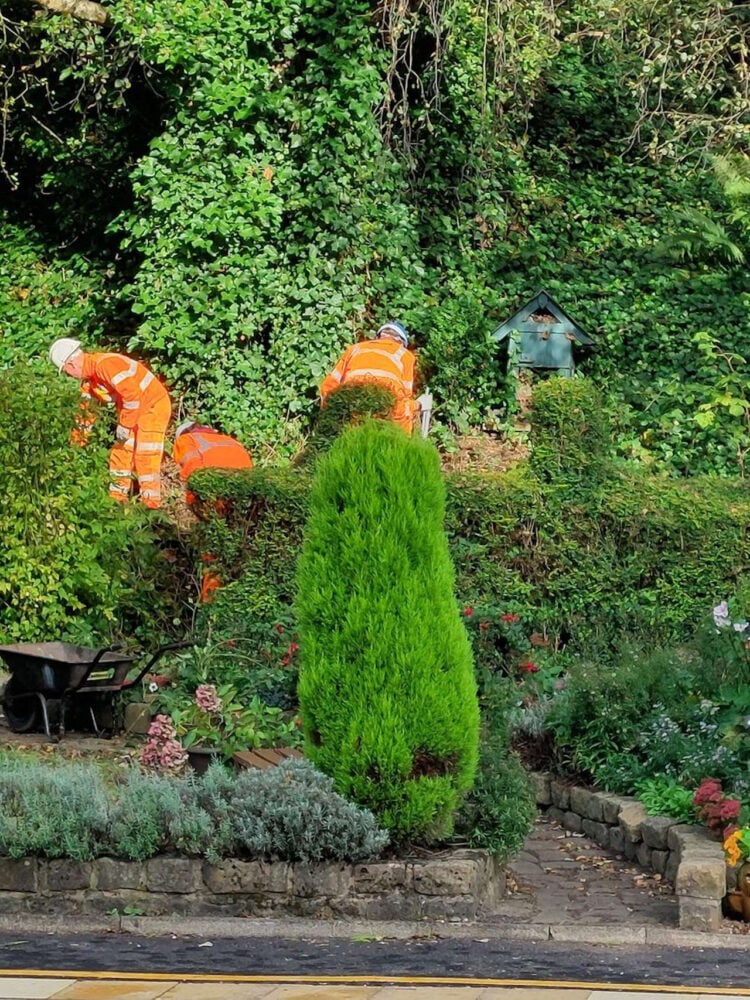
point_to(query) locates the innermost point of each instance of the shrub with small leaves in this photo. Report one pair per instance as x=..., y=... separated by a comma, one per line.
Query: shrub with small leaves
x=55, y=812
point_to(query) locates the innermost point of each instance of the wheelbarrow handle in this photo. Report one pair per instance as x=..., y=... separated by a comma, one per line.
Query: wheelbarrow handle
x=116, y=647
x=169, y=648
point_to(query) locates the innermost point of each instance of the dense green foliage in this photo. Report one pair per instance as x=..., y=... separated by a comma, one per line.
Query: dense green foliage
x=73, y=564
x=235, y=190
x=289, y=813
x=501, y=807
x=585, y=561
x=386, y=688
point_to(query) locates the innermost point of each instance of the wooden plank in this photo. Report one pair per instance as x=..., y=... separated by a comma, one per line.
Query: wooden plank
x=264, y=757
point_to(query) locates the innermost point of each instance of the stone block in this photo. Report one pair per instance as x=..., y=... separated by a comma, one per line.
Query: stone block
x=655, y=831
x=629, y=849
x=64, y=876
x=670, y=871
x=683, y=838
x=113, y=874
x=617, y=839
x=560, y=795
x=587, y=804
x=326, y=881
x=631, y=817
x=573, y=822
x=540, y=782
x=382, y=876
x=598, y=832
x=137, y=718
x=391, y=906
x=555, y=815
x=643, y=854
x=659, y=861
x=701, y=877
x=699, y=914
x=449, y=908
x=446, y=878
x=258, y=877
x=611, y=806
x=167, y=875
x=18, y=876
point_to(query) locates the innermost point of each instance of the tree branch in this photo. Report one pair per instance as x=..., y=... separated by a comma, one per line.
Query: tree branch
x=84, y=10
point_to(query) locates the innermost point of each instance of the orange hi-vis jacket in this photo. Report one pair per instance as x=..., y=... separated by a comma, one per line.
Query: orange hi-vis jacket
x=383, y=361
x=126, y=382
x=204, y=448
x=143, y=410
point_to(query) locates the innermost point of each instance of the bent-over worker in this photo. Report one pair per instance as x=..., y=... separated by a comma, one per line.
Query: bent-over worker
x=199, y=447
x=143, y=412
x=385, y=361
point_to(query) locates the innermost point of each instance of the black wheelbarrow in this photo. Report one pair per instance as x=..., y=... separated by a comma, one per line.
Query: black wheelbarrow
x=62, y=676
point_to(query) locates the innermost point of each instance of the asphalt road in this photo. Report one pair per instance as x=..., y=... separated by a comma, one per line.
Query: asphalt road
x=443, y=957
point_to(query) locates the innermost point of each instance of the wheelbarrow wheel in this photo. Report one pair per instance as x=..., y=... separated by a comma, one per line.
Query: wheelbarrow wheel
x=22, y=714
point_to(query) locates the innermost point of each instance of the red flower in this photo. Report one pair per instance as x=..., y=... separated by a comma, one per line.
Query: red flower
x=527, y=667
x=293, y=647
x=709, y=790
x=510, y=619
x=484, y=626
x=279, y=629
x=468, y=611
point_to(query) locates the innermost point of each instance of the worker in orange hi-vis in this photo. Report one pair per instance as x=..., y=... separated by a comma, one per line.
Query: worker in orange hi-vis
x=385, y=361
x=143, y=412
x=199, y=447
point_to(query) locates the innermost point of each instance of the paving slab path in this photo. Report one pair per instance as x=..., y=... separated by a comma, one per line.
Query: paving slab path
x=565, y=878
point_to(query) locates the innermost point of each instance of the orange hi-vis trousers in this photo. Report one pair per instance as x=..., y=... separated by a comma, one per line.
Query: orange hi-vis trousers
x=141, y=454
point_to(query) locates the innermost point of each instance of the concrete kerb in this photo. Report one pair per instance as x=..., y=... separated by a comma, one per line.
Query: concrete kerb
x=213, y=928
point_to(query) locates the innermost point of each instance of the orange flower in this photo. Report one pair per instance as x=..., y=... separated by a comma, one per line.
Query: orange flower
x=732, y=848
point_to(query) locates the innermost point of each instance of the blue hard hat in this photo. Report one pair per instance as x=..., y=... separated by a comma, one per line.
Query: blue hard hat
x=396, y=330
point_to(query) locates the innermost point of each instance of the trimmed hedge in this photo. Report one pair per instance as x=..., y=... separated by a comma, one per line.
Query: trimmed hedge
x=630, y=553
x=386, y=689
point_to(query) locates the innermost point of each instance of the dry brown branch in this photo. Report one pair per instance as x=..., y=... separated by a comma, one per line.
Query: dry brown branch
x=84, y=10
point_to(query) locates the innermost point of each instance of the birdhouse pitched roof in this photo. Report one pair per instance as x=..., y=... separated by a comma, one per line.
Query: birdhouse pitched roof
x=542, y=302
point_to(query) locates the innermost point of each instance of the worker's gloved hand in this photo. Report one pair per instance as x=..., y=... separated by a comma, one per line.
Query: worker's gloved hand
x=122, y=433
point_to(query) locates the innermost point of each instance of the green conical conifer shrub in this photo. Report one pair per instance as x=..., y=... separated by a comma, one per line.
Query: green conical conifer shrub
x=387, y=691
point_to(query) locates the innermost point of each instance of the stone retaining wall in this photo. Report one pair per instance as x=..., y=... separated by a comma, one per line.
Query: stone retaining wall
x=685, y=855
x=460, y=885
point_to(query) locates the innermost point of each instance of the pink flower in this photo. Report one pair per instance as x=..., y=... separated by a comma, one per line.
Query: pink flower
x=161, y=729
x=162, y=749
x=207, y=699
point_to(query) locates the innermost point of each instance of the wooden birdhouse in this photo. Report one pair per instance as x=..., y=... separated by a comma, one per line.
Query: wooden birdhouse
x=541, y=336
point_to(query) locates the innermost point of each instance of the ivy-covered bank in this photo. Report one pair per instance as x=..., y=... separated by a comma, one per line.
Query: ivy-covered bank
x=580, y=547
x=234, y=190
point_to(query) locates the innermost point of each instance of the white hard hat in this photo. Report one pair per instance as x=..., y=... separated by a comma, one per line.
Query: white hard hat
x=395, y=330
x=62, y=350
x=184, y=426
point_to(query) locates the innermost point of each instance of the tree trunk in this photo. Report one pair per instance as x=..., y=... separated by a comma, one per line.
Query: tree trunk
x=84, y=10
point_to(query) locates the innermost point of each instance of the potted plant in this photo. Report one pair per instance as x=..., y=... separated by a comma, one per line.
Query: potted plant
x=737, y=850
x=216, y=724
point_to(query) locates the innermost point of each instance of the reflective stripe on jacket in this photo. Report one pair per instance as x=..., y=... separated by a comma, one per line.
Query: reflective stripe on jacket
x=131, y=386
x=384, y=361
x=208, y=450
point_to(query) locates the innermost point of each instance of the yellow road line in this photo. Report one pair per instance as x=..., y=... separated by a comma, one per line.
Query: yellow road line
x=355, y=980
